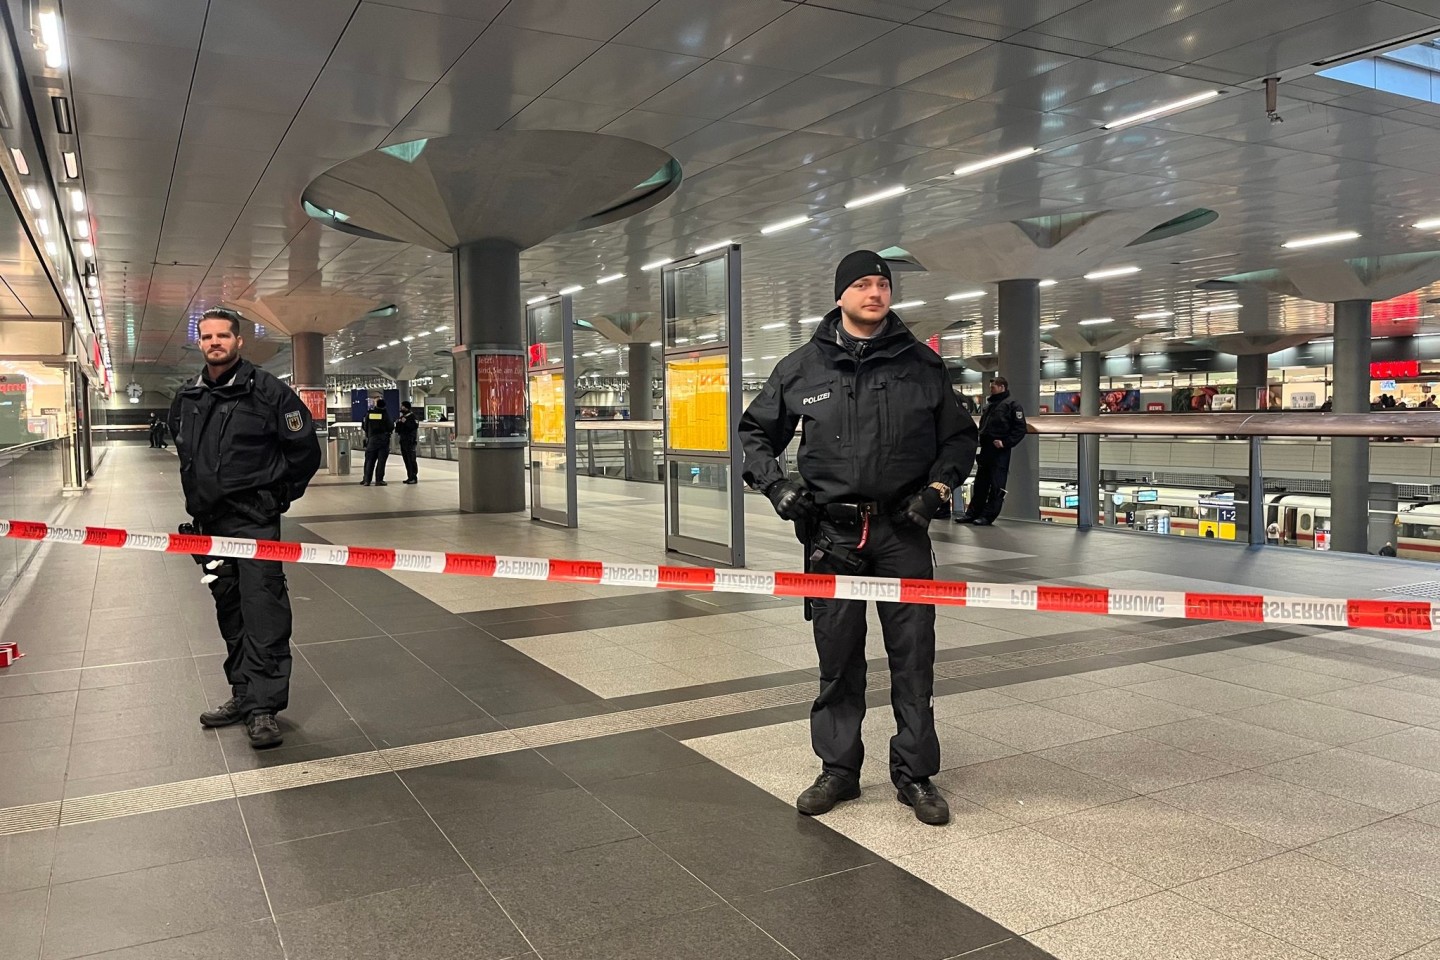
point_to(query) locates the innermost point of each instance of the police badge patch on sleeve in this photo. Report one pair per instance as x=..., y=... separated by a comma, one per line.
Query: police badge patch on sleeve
x=294, y=422
x=1019, y=415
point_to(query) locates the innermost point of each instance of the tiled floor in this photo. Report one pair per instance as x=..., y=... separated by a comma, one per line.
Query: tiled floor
x=453, y=783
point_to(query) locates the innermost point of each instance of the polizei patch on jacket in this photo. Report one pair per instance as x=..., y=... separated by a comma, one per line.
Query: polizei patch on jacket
x=294, y=422
x=816, y=399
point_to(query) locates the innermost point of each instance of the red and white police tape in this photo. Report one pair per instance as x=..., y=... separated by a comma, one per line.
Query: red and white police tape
x=1242, y=608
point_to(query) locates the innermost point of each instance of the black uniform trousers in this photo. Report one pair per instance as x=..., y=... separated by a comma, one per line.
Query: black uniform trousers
x=987, y=495
x=377, y=451
x=407, y=453
x=252, y=605
x=894, y=549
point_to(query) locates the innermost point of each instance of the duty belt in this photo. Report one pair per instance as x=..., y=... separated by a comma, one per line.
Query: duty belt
x=853, y=514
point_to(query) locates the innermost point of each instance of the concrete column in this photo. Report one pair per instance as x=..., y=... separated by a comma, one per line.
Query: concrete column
x=1386, y=497
x=1019, y=322
x=1350, y=456
x=488, y=317
x=307, y=369
x=640, y=446
x=402, y=387
x=1252, y=371
x=1090, y=363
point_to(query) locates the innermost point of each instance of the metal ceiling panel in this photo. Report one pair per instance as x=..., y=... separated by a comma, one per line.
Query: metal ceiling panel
x=962, y=26
x=884, y=114
x=249, y=131
x=545, y=113
x=1110, y=23
x=659, y=129
x=700, y=28
x=574, y=18
x=356, y=97
x=717, y=89
x=1129, y=99
x=1367, y=25
x=1019, y=14
x=805, y=39
x=1078, y=80
x=1228, y=25
x=808, y=100
x=990, y=69
x=621, y=76
x=143, y=71
x=272, y=86
x=403, y=43
x=283, y=30
x=449, y=110
x=795, y=150
x=472, y=9
x=901, y=55
x=106, y=116
x=722, y=141
x=171, y=23
x=900, y=12
x=506, y=60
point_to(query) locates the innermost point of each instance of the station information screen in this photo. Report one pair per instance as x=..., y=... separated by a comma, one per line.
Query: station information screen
x=698, y=398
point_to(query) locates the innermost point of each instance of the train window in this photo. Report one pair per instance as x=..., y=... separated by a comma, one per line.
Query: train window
x=1420, y=531
x=1304, y=521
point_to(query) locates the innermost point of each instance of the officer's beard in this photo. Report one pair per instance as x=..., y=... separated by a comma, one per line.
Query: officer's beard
x=218, y=364
x=862, y=327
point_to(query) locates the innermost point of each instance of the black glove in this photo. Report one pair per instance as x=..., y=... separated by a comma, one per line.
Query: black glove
x=922, y=507
x=791, y=500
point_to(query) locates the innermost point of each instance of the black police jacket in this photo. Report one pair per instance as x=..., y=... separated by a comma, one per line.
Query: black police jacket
x=249, y=438
x=406, y=426
x=875, y=429
x=377, y=424
x=1002, y=419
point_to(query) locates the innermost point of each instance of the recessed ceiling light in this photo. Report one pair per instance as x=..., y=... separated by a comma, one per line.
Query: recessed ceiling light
x=953, y=336
x=772, y=326
x=809, y=320
x=610, y=279
x=1323, y=238
x=1432, y=224
x=1048, y=326
x=407, y=339
x=393, y=343
x=907, y=304
x=32, y=197
x=71, y=164
x=534, y=300
x=87, y=249
x=1094, y=321
x=967, y=295
x=1048, y=283
x=1155, y=315
x=768, y=357
x=995, y=161
x=573, y=288
x=21, y=165
x=657, y=264
x=438, y=329
x=82, y=228
x=77, y=200
x=1111, y=272
x=784, y=225
x=1144, y=115
x=1219, y=307
x=992, y=333
x=50, y=36
x=876, y=197
x=712, y=246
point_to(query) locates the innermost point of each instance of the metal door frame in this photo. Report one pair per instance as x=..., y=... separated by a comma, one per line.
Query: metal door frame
x=569, y=517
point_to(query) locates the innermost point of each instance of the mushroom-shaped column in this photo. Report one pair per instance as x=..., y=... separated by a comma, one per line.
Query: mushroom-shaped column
x=1016, y=256
x=485, y=198
x=1352, y=286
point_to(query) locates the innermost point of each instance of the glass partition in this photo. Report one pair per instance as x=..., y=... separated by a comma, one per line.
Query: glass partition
x=700, y=350
x=550, y=334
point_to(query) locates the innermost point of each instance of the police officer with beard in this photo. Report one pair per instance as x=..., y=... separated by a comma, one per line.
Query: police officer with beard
x=247, y=450
x=1002, y=428
x=884, y=443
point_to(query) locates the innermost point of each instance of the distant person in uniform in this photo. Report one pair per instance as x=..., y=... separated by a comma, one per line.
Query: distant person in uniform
x=157, y=432
x=1002, y=428
x=377, y=429
x=247, y=451
x=407, y=430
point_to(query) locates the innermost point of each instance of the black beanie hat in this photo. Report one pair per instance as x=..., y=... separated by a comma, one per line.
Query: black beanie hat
x=861, y=263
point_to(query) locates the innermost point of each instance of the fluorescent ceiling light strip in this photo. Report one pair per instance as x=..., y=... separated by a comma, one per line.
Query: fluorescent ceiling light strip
x=995, y=161
x=784, y=225
x=657, y=264
x=77, y=200
x=809, y=320
x=1111, y=272
x=876, y=197
x=610, y=279
x=1048, y=283
x=772, y=326
x=712, y=246
x=534, y=300
x=1340, y=237
x=1155, y=315
x=573, y=288
x=1431, y=224
x=967, y=295
x=1219, y=307
x=1096, y=320
x=1048, y=326
x=1162, y=109
x=22, y=166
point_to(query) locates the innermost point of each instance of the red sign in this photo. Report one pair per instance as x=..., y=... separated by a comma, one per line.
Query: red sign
x=1404, y=307
x=538, y=355
x=12, y=383
x=1044, y=408
x=934, y=343
x=315, y=401
x=1154, y=407
x=499, y=385
x=1394, y=369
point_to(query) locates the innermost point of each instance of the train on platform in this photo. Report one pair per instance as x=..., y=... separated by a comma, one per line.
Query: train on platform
x=1298, y=520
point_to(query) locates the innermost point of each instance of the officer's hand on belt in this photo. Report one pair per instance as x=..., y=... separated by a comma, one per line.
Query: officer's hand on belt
x=999, y=444
x=922, y=507
x=791, y=500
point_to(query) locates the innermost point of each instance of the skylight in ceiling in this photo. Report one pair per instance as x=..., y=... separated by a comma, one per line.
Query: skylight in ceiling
x=1412, y=71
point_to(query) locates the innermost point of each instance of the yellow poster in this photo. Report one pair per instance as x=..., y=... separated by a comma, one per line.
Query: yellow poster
x=697, y=403
x=547, y=408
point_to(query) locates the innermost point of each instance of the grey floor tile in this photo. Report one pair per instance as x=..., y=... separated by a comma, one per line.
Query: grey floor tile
x=300, y=874
x=1023, y=879
x=157, y=903
x=1375, y=782
x=1271, y=809
x=1030, y=727
x=686, y=797
x=20, y=735
x=1345, y=666
x=22, y=918
x=624, y=755
x=449, y=919
x=961, y=748
x=1320, y=907
x=1400, y=851
x=1014, y=949
x=125, y=763
x=834, y=918
x=33, y=776
x=1416, y=747
x=718, y=931
x=485, y=782
x=544, y=825
x=254, y=940
x=132, y=843
x=1378, y=701
x=752, y=854
x=1157, y=842
x=1203, y=693
x=1129, y=674
x=38, y=706
x=878, y=822
x=1136, y=764
x=1035, y=691
x=1231, y=741
x=1028, y=788
x=25, y=685
x=1122, y=710
x=25, y=860
x=1316, y=721
x=328, y=808
x=1278, y=678
x=588, y=893
x=955, y=705
x=1162, y=927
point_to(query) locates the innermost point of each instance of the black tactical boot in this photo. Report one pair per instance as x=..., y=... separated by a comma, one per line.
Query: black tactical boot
x=223, y=715
x=822, y=796
x=264, y=731
x=929, y=806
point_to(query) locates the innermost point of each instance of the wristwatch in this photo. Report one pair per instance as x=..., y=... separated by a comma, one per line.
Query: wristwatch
x=944, y=491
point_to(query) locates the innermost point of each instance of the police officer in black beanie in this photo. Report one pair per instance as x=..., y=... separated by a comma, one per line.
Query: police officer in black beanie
x=885, y=441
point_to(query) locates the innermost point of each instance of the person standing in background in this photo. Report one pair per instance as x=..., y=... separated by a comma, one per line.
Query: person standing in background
x=407, y=429
x=377, y=429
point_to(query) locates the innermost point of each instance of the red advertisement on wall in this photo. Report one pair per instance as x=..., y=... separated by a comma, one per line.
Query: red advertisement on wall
x=314, y=400
x=499, y=395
